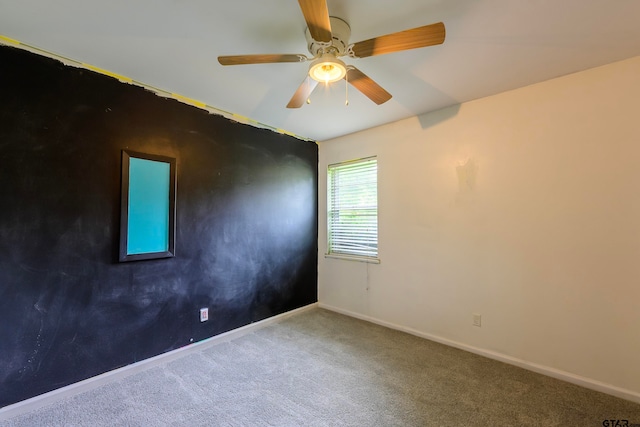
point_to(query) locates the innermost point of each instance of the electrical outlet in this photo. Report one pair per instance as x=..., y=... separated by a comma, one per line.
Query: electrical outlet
x=204, y=314
x=477, y=320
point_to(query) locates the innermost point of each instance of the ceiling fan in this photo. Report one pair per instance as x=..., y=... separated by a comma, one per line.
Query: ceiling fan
x=328, y=39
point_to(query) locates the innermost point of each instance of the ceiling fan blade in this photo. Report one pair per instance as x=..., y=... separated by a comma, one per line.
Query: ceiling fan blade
x=428, y=35
x=367, y=86
x=303, y=93
x=316, y=14
x=260, y=59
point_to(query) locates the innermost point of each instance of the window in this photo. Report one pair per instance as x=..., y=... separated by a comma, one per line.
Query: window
x=353, y=209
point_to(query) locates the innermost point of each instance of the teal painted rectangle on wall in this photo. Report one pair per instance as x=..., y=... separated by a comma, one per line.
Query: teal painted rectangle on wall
x=147, y=206
x=149, y=184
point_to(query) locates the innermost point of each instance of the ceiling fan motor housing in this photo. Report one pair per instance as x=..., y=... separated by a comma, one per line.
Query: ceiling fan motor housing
x=340, y=34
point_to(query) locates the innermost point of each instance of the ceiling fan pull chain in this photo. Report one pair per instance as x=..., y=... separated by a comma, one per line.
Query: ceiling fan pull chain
x=308, y=91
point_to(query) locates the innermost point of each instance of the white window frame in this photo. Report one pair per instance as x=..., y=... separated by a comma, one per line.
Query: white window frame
x=356, y=198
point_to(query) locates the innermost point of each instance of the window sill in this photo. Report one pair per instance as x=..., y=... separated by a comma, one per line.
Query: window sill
x=354, y=258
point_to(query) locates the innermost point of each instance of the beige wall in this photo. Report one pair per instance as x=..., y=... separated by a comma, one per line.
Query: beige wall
x=523, y=207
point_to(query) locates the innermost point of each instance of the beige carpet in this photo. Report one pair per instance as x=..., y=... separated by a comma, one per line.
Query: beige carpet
x=324, y=369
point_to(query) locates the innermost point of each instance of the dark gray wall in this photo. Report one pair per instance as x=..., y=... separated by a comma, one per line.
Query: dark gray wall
x=246, y=234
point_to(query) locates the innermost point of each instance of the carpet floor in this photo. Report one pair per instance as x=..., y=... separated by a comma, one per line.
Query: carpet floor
x=320, y=368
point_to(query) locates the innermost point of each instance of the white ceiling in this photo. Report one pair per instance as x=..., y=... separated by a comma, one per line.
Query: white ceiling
x=491, y=46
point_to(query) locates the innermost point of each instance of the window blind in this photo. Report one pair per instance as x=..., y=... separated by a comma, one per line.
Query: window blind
x=353, y=208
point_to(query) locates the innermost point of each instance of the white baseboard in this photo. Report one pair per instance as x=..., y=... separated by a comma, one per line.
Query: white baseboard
x=102, y=379
x=541, y=369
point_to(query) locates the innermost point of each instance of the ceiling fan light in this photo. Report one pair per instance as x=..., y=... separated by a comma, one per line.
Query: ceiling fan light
x=327, y=69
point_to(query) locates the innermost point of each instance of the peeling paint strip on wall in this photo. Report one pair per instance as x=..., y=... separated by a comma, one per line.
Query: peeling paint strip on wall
x=107, y=73
x=8, y=40
x=160, y=92
x=189, y=101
